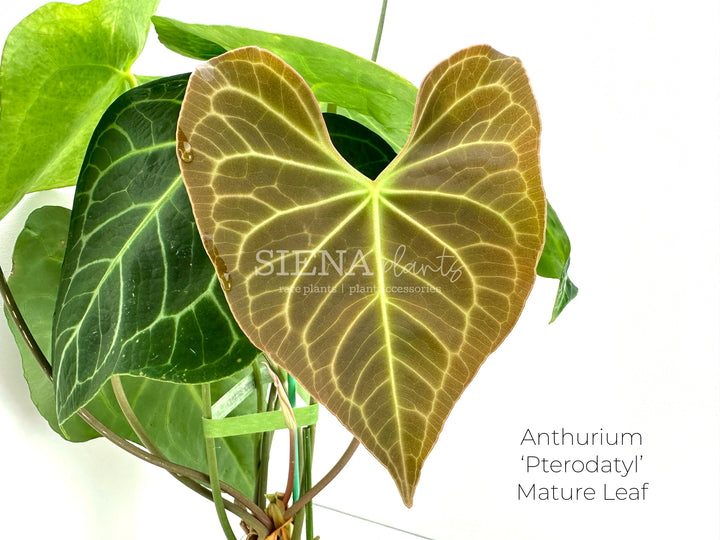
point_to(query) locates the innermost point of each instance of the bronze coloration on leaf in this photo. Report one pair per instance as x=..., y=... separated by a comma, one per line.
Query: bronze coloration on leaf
x=384, y=297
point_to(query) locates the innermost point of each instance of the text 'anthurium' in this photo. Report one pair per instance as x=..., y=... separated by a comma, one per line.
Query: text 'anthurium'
x=383, y=297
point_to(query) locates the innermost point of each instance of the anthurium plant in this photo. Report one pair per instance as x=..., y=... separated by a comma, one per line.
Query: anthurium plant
x=288, y=220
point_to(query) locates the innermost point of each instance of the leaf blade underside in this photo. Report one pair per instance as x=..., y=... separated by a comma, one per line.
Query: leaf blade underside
x=448, y=237
x=138, y=295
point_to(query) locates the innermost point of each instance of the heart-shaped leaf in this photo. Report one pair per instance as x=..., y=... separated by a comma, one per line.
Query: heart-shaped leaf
x=384, y=297
x=61, y=68
x=138, y=295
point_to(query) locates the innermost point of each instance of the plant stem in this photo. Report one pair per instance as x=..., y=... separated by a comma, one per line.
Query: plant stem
x=260, y=520
x=147, y=442
x=329, y=477
x=308, y=444
x=291, y=469
x=263, y=467
x=378, y=34
x=130, y=416
x=259, y=437
x=22, y=327
x=213, y=467
x=292, y=389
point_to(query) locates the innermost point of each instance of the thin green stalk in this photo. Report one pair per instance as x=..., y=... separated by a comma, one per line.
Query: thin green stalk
x=130, y=416
x=296, y=476
x=308, y=436
x=213, y=467
x=264, y=466
x=299, y=518
x=258, y=497
x=378, y=34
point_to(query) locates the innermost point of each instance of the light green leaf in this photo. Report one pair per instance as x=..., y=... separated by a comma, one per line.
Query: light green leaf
x=555, y=261
x=374, y=96
x=138, y=295
x=382, y=298
x=170, y=413
x=61, y=67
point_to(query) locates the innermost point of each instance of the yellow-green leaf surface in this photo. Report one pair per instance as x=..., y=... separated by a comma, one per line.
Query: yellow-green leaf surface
x=384, y=297
x=61, y=68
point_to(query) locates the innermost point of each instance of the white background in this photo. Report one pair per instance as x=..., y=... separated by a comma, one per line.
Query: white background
x=629, y=94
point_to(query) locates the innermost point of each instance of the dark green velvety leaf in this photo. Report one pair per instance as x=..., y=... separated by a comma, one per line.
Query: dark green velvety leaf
x=555, y=261
x=374, y=96
x=171, y=413
x=361, y=147
x=61, y=67
x=138, y=295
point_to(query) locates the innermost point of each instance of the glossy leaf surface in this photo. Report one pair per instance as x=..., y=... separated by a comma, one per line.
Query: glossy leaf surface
x=366, y=92
x=384, y=297
x=61, y=68
x=138, y=294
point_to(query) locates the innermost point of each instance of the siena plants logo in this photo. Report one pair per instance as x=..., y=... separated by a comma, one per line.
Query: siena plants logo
x=344, y=263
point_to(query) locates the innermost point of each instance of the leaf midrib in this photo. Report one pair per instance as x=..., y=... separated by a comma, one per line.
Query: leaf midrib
x=377, y=227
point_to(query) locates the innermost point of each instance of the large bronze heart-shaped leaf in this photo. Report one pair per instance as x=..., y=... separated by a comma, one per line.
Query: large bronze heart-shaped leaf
x=384, y=297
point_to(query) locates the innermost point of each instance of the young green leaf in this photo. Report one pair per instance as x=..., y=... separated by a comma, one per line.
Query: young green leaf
x=61, y=67
x=138, y=294
x=555, y=261
x=170, y=413
x=374, y=96
x=384, y=297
